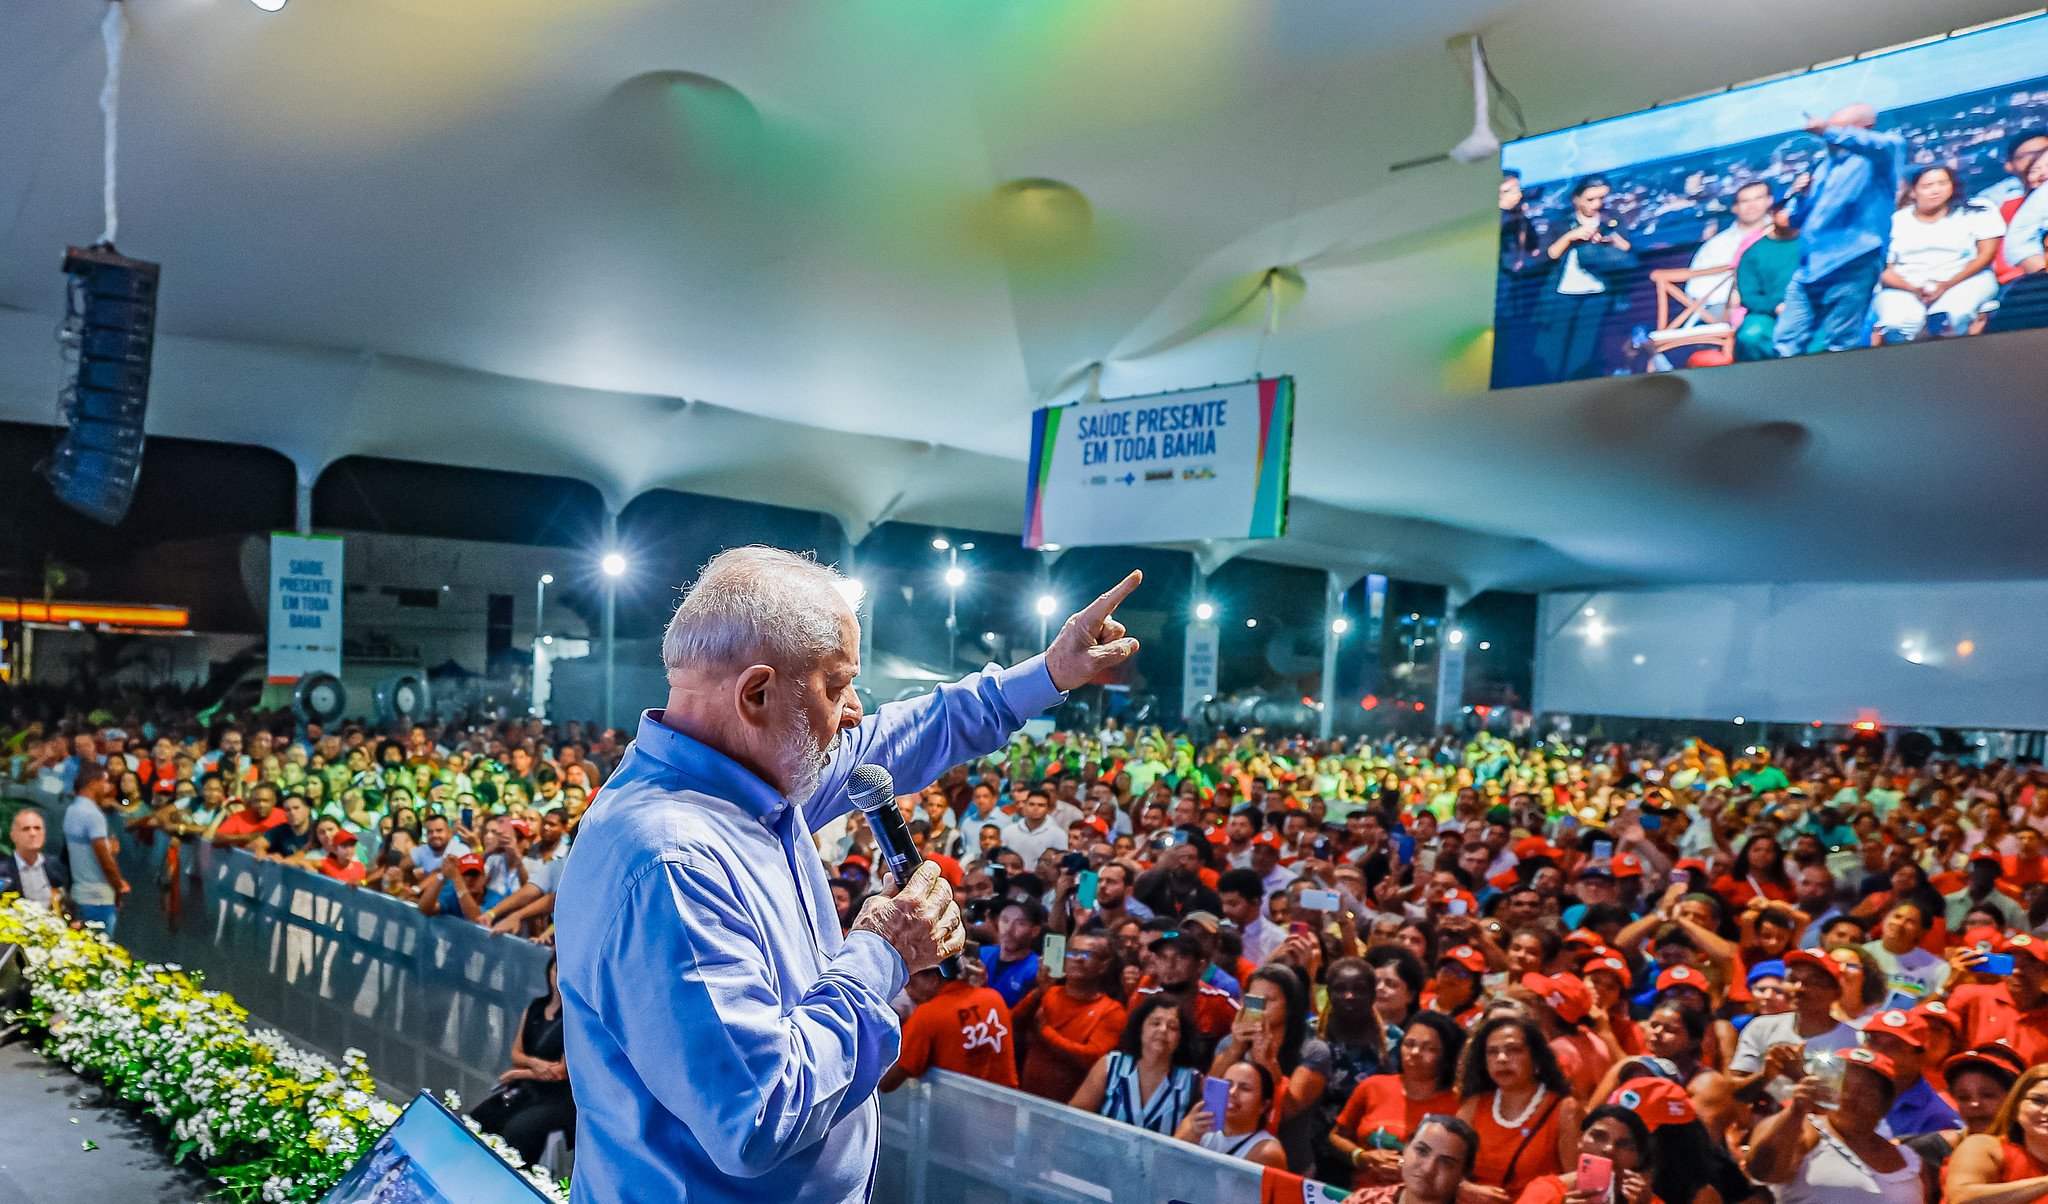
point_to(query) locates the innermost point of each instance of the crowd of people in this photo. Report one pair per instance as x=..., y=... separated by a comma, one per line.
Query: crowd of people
x=1455, y=967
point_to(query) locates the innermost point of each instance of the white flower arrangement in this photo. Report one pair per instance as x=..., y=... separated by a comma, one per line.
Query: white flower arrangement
x=270, y=1121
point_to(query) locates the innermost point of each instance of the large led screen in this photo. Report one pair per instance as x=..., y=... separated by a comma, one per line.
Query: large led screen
x=1895, y=198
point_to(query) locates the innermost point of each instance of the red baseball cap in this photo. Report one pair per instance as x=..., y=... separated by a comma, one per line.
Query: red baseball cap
x=2003, y=1061
x=1987, y=853
x=1814, y=957
x=1863, y=1055
x=855, y=859
x=1584, y=936
x=1984, y=940
x=1566, y=995
x=1534, y=846
x=1628, y=865
x=2032, y=946
x=1659, y=1102
x=1268, y=837
x=344, y=836
x=1934, y=1009
x=1691, y=863
x=1682, y=976
x=1909, y=1027
x=520, y=826
x=1466, y=956
x=468, y=862
x=1612, y=963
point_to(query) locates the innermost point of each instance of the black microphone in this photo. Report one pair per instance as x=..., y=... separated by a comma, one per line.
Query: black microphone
x=874, y=792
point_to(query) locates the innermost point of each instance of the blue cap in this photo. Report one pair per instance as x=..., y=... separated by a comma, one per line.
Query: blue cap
x=1770, y=969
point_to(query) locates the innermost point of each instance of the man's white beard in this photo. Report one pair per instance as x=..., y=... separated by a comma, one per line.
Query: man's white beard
x=801, y=758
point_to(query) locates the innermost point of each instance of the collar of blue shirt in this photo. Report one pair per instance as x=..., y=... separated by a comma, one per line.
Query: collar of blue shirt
x=707, y=770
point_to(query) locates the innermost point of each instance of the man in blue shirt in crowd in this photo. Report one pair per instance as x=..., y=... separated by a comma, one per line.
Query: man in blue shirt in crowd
x=727, y=1040
x=1917, y=1108
x=91, y=847
x=1012, y=962
x=1844, y=216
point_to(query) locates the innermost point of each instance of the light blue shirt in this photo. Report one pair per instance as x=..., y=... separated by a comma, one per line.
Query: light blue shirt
x=84, y=823
x=726, y=1040
x=1847, y=210
x=2023, y=235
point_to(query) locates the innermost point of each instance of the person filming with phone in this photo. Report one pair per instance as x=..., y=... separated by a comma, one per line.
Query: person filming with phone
x=1823, y=1147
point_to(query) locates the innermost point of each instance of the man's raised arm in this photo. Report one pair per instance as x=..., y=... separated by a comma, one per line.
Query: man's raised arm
x=918, y=739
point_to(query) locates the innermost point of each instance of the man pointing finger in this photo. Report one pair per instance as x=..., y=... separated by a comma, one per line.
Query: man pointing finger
x=724, y=1041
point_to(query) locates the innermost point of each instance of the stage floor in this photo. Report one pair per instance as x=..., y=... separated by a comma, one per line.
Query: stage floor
x=42, y=1160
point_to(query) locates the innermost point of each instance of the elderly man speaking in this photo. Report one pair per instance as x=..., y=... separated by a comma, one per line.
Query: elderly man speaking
x=724, y=1041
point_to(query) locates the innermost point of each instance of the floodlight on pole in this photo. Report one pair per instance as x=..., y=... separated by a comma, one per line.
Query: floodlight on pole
x=1455, y=637
x=940, y=545
x=614, y=565
x=1340, y=625
x=537, y=703
x=1205, y=611
x=1046, y=605
x=956, y=577
x=853, y=589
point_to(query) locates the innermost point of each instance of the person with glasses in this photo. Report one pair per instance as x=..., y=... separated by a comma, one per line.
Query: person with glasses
x=2008, y=1164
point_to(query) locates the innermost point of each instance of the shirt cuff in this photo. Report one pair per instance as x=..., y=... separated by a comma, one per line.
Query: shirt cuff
x=1027, y=687
x=874, y=962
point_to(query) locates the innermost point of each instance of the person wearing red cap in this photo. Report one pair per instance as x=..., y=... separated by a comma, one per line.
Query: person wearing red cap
x=340, y=862
x=1814, y=1155
x=1562, y=1004
x=2012, y=1010
x=1770, y=1045
x=1454, y=992
x=1608, y=977
x=469, y=895
x=1981, y=1080
x=1918, y=1108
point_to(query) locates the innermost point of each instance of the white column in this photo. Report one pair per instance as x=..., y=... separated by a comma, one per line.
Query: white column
x=1333, y=609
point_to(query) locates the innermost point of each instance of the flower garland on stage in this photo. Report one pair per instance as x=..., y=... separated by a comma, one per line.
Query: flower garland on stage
x=270, y=1121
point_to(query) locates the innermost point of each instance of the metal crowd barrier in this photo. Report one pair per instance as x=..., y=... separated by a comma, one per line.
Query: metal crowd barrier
x=434, y=1002
x=957, y=1140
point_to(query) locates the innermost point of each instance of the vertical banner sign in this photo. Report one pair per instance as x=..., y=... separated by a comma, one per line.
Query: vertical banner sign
x=1200, y=464
x=1375, y=609
x=1198, y=667
x=1450, y=682
x=305, y=606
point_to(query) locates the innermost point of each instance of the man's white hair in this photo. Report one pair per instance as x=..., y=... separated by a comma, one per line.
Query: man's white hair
x=756, y=605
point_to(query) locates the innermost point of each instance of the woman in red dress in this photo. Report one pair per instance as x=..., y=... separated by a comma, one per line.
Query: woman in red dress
x=1517, y=1099
x=1385, y=1109
x=1761, y=869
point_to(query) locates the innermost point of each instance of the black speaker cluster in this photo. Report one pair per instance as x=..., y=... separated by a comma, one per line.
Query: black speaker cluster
x=109, y=333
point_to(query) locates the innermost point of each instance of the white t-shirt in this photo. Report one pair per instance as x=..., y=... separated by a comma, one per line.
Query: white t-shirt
x=428, y=860
x=1934, y=251
x=1717, y=252
x=1577, y=281
x=548, y=874
x=1916, y=971
x=1765, y=1031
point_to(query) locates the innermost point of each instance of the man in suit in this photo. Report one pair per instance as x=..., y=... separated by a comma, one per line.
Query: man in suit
x=27, y=872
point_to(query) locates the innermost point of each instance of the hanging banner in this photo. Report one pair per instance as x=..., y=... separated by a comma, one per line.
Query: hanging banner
x=1198, y=667
x=1450, y=682
x=305, y=606
x=1165, y=468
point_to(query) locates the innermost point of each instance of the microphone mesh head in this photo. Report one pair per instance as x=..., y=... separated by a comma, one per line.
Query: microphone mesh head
x=871, y=787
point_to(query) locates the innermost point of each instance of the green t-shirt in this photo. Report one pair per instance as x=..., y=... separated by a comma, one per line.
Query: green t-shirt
x=1764, y=272
x=1770, y=777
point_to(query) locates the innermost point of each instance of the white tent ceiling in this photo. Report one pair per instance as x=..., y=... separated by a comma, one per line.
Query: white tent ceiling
x=482, y=232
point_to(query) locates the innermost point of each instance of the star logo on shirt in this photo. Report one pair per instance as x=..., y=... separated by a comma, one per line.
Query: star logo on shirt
x=989, y=1031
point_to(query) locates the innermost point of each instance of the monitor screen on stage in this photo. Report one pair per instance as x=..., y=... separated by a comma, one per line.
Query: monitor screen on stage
x=1894, y=198
x=430, y=1157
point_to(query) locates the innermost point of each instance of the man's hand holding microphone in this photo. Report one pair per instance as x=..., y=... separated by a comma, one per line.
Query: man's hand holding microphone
x=920, y=921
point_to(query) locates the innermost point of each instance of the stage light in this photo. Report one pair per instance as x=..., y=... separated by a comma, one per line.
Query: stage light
x=1204, y=611
x=1048, y=547
x=1340, y=625
x=1484, y=646
x=547, y=639
x=1418, y=643
x=967, y=547
x=956, y=577
x=1590, y=612
x=547, y=578
x=1456, y=636
x=614, y=565
x=1596, y=633
x=941, y=544
x=1047, y=604
x=1966, y=648
x=1638, y=658
x=1251, y=622
x=1369, y=701
x=1738, y=720
x=269, y=6
x=853, y=589
x=1865, y=725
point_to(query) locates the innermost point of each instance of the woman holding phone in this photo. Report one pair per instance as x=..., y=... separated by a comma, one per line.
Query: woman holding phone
x=1272, y=1031
x=1238, y=1132
x=1614, y=1164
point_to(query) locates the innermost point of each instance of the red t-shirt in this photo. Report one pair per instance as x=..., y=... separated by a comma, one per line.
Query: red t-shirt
x=1070, y=1038
x=348, y=871
x=245, y=823
x=2025, y=871
x=1550, y=1190
x=1739, y=892
x=963, y=1029
x=1379, y=1103
x=1582, y=1058
x=1986, y=1013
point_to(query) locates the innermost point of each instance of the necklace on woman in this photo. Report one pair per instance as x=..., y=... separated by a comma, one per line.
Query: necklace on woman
x=1517, y=1123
